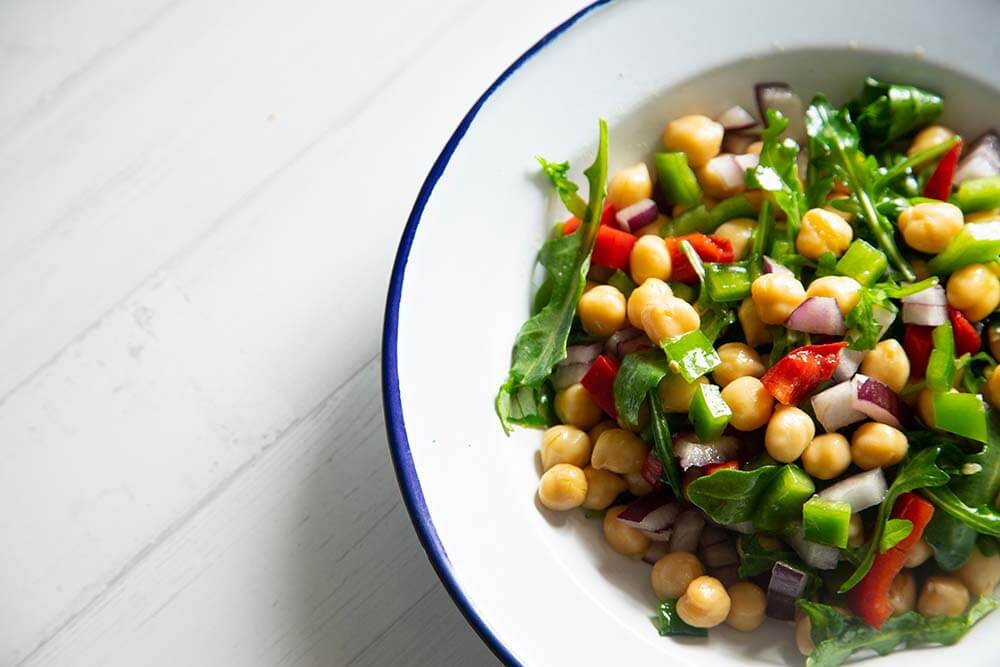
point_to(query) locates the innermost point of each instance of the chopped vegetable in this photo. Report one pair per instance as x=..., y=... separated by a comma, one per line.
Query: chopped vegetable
x=668, y=622
x=777, y=172
x=652, y=513
x=677, y=180
x=730, y=496
x=691, y=355
x=961, y=414
x=826, y=521
x=612, y=247
x=939, y=184
x=800, y=371
x=782, y=501
x=978, y=194
x=888, y=111
x=861, y=491
x=709, y=249
x=663, y=446
x=638, y=374
x=691, y=452
x=863, y=262
x=975, y=243
x=709, y=413
x=600, y=383
x=918, y=341
x=727, y=282
x=941, y=364
x=622, y=282
x=787, y=586
x=968, y=340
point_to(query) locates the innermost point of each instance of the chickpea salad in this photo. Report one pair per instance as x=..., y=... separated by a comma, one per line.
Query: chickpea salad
x=768, y=367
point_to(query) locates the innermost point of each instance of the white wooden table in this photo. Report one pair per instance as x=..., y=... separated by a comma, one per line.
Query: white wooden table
x=199, y=205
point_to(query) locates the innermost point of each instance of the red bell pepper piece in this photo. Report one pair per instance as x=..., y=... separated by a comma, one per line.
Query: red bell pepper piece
x=600, y=383
x=918, y=343
x=939, y=184
x=608, y=216
x=652, y=471
x=968, y=339
x=870, y=598
x=727, y=465
x=709, y=248
x=800, y=371
x=612, y=247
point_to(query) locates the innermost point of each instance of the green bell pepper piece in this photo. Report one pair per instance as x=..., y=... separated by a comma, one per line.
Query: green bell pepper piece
x=781, y=503
x=734, y=207
x=696, y=219
x=708, y=412
x=978, y=194
x=976, y=243
x=961, y=414
x=863, y=262
x=727, y=282
x=677, y=180
x=781, y=247
x=622, y=282
x=684, y=292
x=826, y=521
x=691, y=355
x=941, y=364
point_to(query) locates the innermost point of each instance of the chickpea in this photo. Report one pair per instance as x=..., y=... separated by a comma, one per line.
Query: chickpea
x=602, y=310
x=827, y=456
x=712, y=178
x=943, y=596
x=621, y=537
x=855, y=531
x=637, y=484
x=629, y=186
x=755, y=148
x=993, y=335
x=929, y=137
x=649, y=259
x=928, y=227
x=888, y=364
x=619, y=451
x=775, y=296
x=747, y=603
x=750, y=402
x=698, y=137
x=603, y=426
x=981, y=573
x=823, y=231
x=753, y=329
x=565, y=444
x=902, y=593
x=876, y=445
x=992, y=388
x=789, y=432
x=650, y=291
x=803, y=633
x=603, y=486
x=705, y=604
x=562, y=487
x=737, y=232
x=974, y=290
x=575, y=407
x=669, y=318
x=673, y=573
x=737, y=360
x=676, y=393
x=847, y=291
x=918, y=553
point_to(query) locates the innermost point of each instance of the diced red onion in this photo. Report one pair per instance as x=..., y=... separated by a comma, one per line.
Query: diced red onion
x=713, y=534
x=626, y=341
x=982, y=159
x=636, y=216
x=747, y=160
x=819, y=556
x=658, y=535
x=729, y=172
x=818, y=315
x=655, y=552
x=737, y=144
x=693, y=453
x=781, y=97
x=833, y=408
x=773, y=266
x=566, y=375
x=727, y=576
x=736, y=118
x=861, y=491
x=687, y=531
x=786, y=587
x=850, y=361
x=651, y=513
x=652, y=470
x=927, y=307
x=876, y=400
x=582, y=354
x=885, y=317
x=720, y=555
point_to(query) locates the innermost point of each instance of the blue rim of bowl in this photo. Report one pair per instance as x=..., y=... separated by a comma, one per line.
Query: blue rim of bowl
x=406, y=474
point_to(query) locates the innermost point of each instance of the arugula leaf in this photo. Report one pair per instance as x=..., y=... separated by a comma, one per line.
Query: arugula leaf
x=918, y=472
x=951, y=540
x=639, y=373
x=760, y=239
x=663, y=445
x=888, y=111
x=861, y=321
x=526, y=406
x=668, y=621
x=837, y=637
x=777, y=172
x=730, y=496
x=565, y=188
x=834, y=148
x=755, y=559
x=541, y=342
x=896, y=530
x=982, y=518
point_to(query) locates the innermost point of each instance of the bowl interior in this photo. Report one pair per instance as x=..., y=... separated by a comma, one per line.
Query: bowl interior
x=544, y=585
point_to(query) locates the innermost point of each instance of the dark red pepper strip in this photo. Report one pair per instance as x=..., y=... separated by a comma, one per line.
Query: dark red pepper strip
x=709, y=249
x=918, y=342
x=939, y=184
x=726, y=465
x=612, y=247
x=799, y=372
x=968, y=338
x=600, y=383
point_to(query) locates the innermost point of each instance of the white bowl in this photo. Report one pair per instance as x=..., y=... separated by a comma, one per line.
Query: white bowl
x=543, y=588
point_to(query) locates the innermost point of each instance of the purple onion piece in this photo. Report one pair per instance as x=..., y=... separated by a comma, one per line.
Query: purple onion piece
x=692, y=453
x=651, y=513
x=885, y=317
x=662, y=535
x=818, y=315
x=626, y=341
x=850, y=361
x=737, y=144
x=861, y=491
x=729, y=171
x=773, y=266
x=833, y=408
x=876, y=400
x=787, y=585
x=687, y=531
x=636, y=216
x=582, y=354
x=566, y=375
x=981, y=159
x=736, y=118
x=747, y=160
x=780, y=96
x=932, y=296
x=925, y=314
x=819, y=556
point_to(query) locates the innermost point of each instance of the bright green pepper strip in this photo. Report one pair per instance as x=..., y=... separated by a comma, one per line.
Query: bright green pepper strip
x=781, y=503
x=677, y=181
x=697, y=219
x=961, y=414
x=728, y=209
x=979, y=242
x=621, y=281
x=759, y=239
x=978, y=194
x=708, y=412
x=863, y=262
x=826, y=521
x=684, y=291
x=941, y=365
x=781, y=247
x=691, y=355
x=727, y=282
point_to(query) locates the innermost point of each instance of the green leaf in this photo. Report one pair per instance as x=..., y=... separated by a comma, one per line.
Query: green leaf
x=731, y=496
x=755, y=559
x=889, y=111
x=663, y=445
x=983, y=518
x=951, y=540
x=565, y=188
x=777, y=172
x=918, y=472
x=896, y=530
x=668, y=621
x=541, y=342
x=837, y=637
x=639, y=373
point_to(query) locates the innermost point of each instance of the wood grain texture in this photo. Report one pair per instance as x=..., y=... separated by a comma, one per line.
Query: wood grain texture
x=200, y=205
